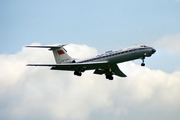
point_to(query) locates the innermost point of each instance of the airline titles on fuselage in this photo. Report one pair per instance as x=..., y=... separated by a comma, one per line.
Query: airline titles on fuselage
x=112, y=53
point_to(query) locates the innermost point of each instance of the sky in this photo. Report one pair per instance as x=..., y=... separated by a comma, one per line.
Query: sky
x=89, y=28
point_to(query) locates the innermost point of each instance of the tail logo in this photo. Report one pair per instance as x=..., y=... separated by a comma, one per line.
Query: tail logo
x=60, y=52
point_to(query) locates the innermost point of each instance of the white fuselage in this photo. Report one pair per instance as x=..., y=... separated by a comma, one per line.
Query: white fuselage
x=123, y=55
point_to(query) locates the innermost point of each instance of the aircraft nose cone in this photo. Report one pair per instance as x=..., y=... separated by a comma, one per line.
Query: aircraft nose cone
x=153, y=50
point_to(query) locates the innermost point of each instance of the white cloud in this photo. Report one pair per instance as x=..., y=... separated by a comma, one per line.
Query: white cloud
x=170, y=43
x=38, y=93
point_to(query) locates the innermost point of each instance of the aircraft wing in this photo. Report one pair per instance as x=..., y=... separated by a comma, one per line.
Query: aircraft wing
x=74, y=66
x=100, y=67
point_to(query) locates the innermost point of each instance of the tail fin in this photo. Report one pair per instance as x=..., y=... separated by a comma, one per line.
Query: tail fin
x=60, y=54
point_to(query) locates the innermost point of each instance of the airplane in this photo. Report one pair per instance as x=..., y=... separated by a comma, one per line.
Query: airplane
x=102, y=64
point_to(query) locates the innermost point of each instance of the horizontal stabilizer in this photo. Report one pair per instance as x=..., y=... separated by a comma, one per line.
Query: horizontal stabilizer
x=46, y=46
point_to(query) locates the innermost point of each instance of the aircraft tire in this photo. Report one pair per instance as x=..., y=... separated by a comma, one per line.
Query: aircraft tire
x=143, y=64
x=110, y=77
x=77, y=73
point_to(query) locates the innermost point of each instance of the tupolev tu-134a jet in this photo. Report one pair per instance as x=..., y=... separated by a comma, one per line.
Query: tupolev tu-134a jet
x=102, y=64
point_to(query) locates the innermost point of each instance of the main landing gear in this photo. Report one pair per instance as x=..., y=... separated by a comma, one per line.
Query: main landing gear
x=109, y=74
x=110, y=77
x=143, y=64
x=77, y=73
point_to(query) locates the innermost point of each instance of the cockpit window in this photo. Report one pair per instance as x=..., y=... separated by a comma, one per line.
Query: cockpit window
x=143, y=46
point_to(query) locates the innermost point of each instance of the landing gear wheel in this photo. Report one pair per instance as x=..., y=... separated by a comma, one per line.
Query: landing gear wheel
x=110, y=77
x=143, y=64
x=77, y=73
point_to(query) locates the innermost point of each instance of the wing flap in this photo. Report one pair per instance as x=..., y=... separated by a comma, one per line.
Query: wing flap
x=114, y=68
x=99, y=71
x=117, y=71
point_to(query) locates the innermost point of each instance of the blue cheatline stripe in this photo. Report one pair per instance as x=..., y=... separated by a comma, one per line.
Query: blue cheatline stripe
x=97, y=58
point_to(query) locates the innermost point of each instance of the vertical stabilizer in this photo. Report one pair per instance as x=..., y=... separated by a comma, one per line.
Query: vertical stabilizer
x=60, y=54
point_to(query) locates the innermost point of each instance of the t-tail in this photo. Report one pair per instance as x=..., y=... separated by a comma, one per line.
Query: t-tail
x=60, y=54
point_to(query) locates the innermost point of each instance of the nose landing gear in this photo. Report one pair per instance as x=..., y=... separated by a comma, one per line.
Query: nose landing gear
x=143, y=64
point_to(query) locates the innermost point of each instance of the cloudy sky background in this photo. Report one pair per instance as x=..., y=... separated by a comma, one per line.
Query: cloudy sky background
x=90, y=28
